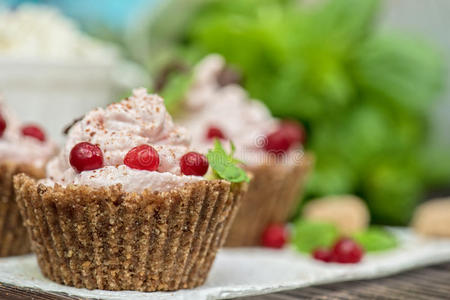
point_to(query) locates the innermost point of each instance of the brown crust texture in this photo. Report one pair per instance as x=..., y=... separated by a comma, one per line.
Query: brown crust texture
x=13, y=235
x=273, y=195
x=111, y=240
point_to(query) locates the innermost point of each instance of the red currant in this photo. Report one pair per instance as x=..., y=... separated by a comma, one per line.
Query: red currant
x=294, y=131
x=85, y=157
x=2, y=126
x=143, y=157
x=34, y=131
x=347, y=251
x=277, y=142
x=323, y=254
x=193, y=163
x=281, y=140
x=215, y=132
x=275, y=236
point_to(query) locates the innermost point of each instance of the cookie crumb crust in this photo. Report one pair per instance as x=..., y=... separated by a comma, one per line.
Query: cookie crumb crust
x=13, y=235
x=112, y=240
x=272, y=197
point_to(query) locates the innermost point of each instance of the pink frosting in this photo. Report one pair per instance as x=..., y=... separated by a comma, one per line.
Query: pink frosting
x=139, y=119
x=16, y=147
x=243, y=120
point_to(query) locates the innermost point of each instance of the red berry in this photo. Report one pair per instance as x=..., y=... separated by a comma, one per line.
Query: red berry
x=323, y=254
x=85, y=157
x=281, y=140
x=34, y=131
x=277, y=142
x=275, y=236
x=193, y=163
x=2, y=126
x=294, y=131
x=215, y=132
x=347, y=251
x=143, y=157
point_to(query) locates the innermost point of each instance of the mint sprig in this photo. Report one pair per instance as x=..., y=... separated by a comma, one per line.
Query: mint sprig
x=309, y=235
x=224, y=165
x=376, y=239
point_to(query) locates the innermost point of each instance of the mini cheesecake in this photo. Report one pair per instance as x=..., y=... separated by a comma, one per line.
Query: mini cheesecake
x=24, y=148
x=128, y=204
x=216, y=107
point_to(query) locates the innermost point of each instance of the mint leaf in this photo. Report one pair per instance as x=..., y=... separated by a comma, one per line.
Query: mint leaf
x=233, y=148
x=310, y=235
x=224, y=165
x=231, y=155
x=376, y=239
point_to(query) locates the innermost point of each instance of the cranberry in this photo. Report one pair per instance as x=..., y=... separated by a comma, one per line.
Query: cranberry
x=277, y=142
x=347, y=251
x=323, y=254
x=281, y=140
x=34, y=131
x=143, y=157
x=86, y=156
x=193, y=163
x=294, y=131
x=214, y=132
x=274, y=236
x=2, y=126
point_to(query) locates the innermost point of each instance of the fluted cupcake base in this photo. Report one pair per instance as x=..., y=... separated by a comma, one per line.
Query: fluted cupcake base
x=111, y=240
x=273, y=195
x=13, y=235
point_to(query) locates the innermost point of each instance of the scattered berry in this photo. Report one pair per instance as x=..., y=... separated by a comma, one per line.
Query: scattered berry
x=281, y=140
x=86, y=156
x=34, y=131
x=323, y=254
x=214, y=132
x=2, y=125
x=275, y=236
x=193, y=163
x=347, y=251
x=143, y=157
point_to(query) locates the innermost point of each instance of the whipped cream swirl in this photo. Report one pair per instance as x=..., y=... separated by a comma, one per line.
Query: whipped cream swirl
x=18, y=148
x=139, y=119
x=242, y=120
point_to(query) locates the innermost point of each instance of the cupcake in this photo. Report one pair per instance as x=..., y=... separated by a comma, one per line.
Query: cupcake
x=215, y=107
x=128, y=205
x=23, y=149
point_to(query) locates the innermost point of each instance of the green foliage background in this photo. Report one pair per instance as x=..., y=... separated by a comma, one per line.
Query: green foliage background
x=363, y=95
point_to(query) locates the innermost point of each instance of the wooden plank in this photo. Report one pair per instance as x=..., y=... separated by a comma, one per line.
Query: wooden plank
x=427, y=283
x=10, y=292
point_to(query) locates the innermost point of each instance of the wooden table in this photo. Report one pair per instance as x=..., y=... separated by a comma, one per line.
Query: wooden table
x=427, y=283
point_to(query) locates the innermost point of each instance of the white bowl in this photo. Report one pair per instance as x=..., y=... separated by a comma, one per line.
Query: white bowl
x=54, y=94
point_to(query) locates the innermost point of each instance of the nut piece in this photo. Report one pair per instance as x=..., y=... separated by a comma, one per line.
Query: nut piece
x=433, y=218
x=349, y=213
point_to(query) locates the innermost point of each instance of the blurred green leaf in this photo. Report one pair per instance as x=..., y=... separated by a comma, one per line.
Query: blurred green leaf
x=331, y=177
x=309, y=235
x=175, y=89
x=376, y=239
x=364, y=96
x=406, y=71
x=392, y=190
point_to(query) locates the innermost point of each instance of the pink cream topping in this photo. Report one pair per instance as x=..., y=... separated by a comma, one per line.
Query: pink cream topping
x=126, y=138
